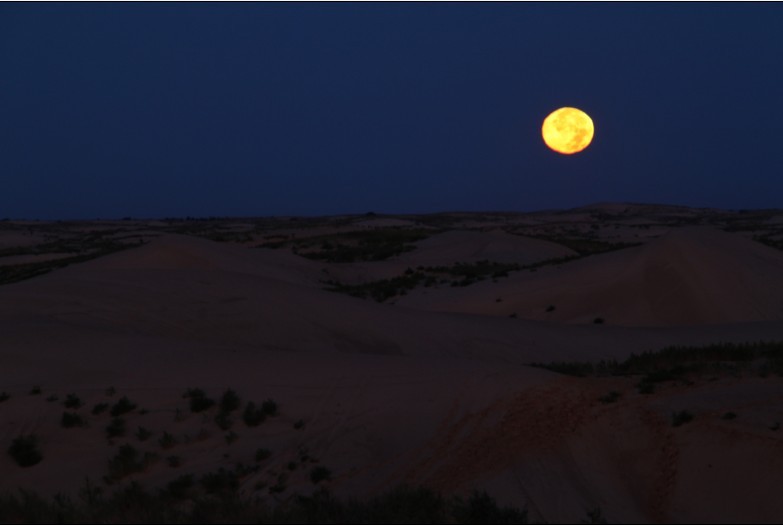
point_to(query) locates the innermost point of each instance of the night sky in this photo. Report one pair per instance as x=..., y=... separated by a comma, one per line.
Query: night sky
x=163, y=110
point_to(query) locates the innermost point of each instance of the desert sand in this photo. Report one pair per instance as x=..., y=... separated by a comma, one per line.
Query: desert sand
x=429, y=387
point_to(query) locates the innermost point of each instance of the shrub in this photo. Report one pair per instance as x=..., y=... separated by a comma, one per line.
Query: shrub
x=35, y=391
x=269, y=407
x=594, y=516
x=319, y=474
x=143, y=434
x=123, y=406
x=252, y=415
x=174, y=461
x=229, y=402
x=115, y=428
x=4, y=396
x=71, y=419
x=223, y=420
x=279, y=486
x=231, y=437
x=611, y=397
x=645, y=387
x=167, y=441
x=25, y=450
x=681, y=417
x=181, y=487
x=222, y=481
x=100, y=408
x=128, y=461
x=299, y=424
x=728, y=416
x=199, y=402
x=262, y=454
x=52, y=398
x=110, y=391
x=480, y=508
x=550, y=308
x=73, y=401
x=598, y=320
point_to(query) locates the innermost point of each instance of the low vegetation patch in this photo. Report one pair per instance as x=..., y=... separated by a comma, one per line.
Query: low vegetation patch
x=214, y=499
x=459, y=274
x=129, y=461
x=319, y=474
x=25, y=450
x=123, y=406
x=681, y=417
x=253, y=415
x=355, y=246
x=72, y=419
x=199, y=402
x=680, y=363
x=116, y=428
x=72, y=401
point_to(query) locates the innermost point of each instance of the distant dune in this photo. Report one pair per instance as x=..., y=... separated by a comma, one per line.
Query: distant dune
x=696, y=275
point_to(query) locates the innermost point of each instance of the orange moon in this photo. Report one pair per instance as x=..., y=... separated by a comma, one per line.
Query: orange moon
x=568, y=130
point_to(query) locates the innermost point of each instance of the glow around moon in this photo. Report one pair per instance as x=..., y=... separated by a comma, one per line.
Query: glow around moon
x=567, y=130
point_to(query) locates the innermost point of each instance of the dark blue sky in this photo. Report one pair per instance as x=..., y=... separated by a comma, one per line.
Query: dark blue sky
x=148, y=110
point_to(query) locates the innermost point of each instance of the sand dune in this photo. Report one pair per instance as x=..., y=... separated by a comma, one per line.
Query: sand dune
x=392, y=394
x=687, y=277
x=452, y=247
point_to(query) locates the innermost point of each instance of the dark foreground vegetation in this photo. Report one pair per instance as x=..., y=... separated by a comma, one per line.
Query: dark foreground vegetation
x=682, y=363
x=136, y=505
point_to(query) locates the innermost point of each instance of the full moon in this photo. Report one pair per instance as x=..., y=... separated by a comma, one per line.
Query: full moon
x=567, y=130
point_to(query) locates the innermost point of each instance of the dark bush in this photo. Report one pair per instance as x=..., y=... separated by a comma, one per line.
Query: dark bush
x=128, y=461
x=681, y=417
x=223, y=420
x=611, y=397
x=71, y=419
x=73, y=401
x=199, y=402
x=180, y=488
x=4, y=396
x=229, y=402
x=269, y=407
x=25, y=450
x=262, y=454
x=123, y=406
x=252, y=415
x=100, y=408
x=220, y=482
x=143, y=434
x=167, y=441
x=319, y=474
x=115, y=428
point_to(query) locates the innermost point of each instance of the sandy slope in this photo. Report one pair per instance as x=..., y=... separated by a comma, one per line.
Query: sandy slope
x=387, y=394
x=452, y=247
x=690, y=276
